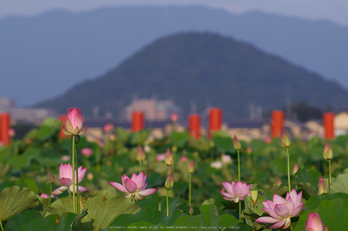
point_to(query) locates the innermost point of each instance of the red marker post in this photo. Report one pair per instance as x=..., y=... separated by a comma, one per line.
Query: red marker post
x=4, y=128
x=215, y=120
x=277, y=123
x=137, y=121
x=328, y=122
x=194, y=125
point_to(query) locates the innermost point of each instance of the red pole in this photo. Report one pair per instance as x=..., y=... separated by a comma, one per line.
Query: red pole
x=277, y=123
x=194, y=125
x=215, y=119
x=62, y=119
x=328, y=122
x=4, y=128
x=137, y=121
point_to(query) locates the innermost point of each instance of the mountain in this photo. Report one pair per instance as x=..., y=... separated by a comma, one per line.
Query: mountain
x=43, y=56
x=203, y=67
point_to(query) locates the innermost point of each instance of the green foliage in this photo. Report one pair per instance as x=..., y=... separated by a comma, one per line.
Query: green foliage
x=102, y=207
x=15, y=200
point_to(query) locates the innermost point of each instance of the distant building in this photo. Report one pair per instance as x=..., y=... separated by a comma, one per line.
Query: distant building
x=341, y=123
x=6, y=104
x=155, y=110
x=26, y=115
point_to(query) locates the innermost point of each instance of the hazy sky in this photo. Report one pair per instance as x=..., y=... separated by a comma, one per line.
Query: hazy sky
x=333, y=10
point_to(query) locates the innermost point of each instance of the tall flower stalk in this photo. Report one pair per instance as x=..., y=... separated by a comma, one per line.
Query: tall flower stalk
x=168, y=185
x=327, y=153
x=237, y=146
x=140, y=157
x=285, y=142
x=51, y=183
x=73, y=127
x=191, y=170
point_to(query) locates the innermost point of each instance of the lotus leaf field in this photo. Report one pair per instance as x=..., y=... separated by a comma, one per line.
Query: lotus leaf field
x=174, y=183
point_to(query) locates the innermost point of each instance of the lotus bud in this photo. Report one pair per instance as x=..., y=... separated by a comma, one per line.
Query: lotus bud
x=174, y=149
x=284, y=139
x=191, y=167
x=322, y=186
x=169, y=182
x=314, y=223
x=279, y=182
x=236, y=143
x=294, y=170
x=51, y=178
x=168, y=158
x=254, y=194
x=140, y=154
x=327, y=153
x=73, y=123
x=90, y=176
x=191, y=210
x=249, y=150
x=211, y=144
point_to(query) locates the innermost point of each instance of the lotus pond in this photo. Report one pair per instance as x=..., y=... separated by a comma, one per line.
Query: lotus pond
x=173, y=183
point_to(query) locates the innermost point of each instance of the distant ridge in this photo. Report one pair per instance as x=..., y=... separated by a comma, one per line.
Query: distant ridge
x=203, y=67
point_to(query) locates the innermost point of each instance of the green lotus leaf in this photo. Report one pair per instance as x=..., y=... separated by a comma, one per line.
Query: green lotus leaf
x=14, y=200
x=16, y=221
x=103, y=208
x=223, y=143
x=52, y=222
x=333, y=213
x=179, y=139
x=313, y=202
x=341, y=184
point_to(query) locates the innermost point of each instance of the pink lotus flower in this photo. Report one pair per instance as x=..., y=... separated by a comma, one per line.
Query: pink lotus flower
x=281, y=210
x=11, y=132
x=65, y=178
x=73, y=123
x=174, y=117
x=160, y=157
x=295, y=169
x=314, y=223
x=108, y=128
x=184, y=159
x=86, y=152
x=235, y=191
x=134, y=186
x=44, y=195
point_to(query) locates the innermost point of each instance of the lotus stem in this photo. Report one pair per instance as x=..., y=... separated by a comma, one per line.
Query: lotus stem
x=329, y=176
x=98, y=159
x=133, y=199
x=190, y=186
x=77, y=179
x=240, y=211
x=238, y=165
x=73, y=171
x=167, y=203
x=49, y=195
x=2, y=228
x=289, y=185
